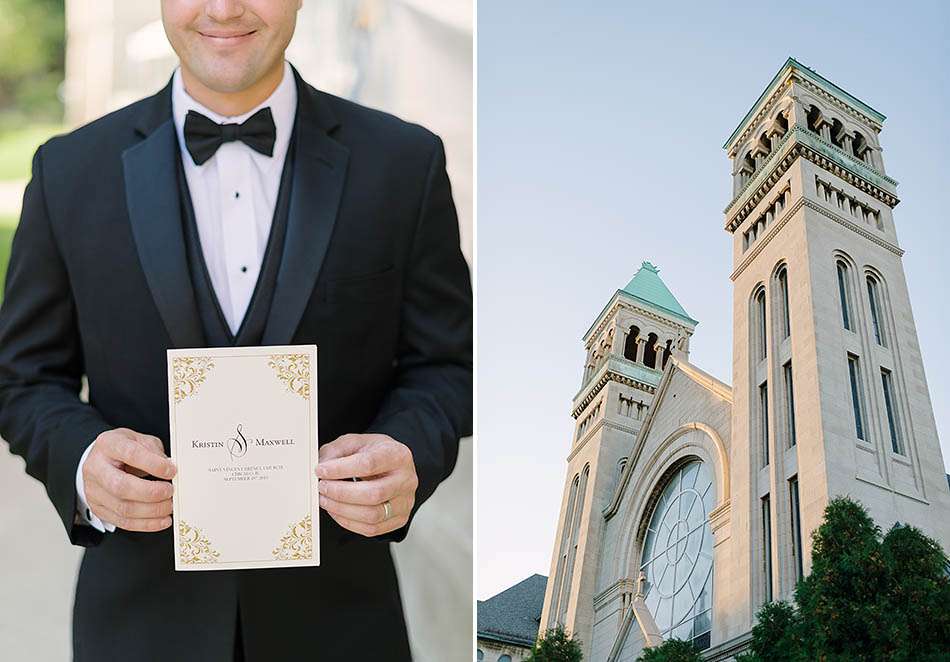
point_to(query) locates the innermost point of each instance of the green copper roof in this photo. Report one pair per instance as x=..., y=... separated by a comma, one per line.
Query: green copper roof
x=815, y=77
x=647, y=286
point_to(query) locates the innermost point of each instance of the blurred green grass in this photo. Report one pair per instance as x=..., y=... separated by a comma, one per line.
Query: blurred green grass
x=7, y=227
x=17, y=147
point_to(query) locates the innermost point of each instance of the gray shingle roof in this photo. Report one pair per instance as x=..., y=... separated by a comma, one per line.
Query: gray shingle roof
x=513, y=615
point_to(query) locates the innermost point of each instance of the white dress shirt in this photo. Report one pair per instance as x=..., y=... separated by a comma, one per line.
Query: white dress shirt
x=233, y=194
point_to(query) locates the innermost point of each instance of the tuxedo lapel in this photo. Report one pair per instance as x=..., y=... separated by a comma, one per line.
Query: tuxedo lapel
x=317, y=185
x=154, y=207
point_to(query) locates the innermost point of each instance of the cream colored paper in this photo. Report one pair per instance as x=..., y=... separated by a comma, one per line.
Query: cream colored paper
x=243, y=424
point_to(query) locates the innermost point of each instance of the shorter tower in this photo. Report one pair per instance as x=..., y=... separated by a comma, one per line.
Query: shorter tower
x=628, y=346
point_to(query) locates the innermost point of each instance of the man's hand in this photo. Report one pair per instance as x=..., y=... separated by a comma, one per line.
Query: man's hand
x=114, y=485
x=386, y=473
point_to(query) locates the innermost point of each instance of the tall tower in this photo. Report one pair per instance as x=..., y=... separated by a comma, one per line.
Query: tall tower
x=628, y=346
x=830, y=396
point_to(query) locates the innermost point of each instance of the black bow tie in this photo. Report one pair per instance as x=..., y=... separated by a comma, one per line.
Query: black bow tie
x=203, y=136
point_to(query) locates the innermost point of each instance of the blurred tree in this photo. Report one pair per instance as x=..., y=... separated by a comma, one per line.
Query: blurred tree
x=866, y=598
x=672, y=650
x=33, y=34
x=555, y=646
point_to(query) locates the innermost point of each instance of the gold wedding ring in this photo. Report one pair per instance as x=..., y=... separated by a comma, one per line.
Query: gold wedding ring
x=387, y=510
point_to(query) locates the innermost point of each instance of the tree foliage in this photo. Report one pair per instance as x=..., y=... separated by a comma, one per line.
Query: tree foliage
x=32, y=56
x=555, y=646
x=672, y=650
x=868, y=597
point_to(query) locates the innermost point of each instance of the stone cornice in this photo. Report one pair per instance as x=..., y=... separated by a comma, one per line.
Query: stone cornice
x=847, y=108
x=618, y=302
x=811, y=204
x=823, y=154
x=763, y=111
x=613, y=591
x=765, y=168
x=608, y=374
x=791, y=71
x=762, y=242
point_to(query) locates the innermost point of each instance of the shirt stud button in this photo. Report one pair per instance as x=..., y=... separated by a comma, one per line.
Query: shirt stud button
x=243, y=270
x=237, y=194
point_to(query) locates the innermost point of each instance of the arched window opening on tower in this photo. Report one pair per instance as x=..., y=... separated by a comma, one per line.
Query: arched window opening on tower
x=762, y=150
x=859, y=145
x=877, y=310
x=854, y=375
x=777, y=130
x=843, y=297
x=649, y=352
x=572, y=550
x=668, y=352
x=785, y=326
x=811, y=118
x=890, y=404
x=630, y=344
x=553, y=615
x=676, y=557
x=839, y=136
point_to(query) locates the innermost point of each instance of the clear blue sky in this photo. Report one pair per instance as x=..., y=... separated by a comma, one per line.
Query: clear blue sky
x=600, y=128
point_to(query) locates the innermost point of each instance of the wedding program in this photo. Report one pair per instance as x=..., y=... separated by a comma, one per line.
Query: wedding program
x=243, y=424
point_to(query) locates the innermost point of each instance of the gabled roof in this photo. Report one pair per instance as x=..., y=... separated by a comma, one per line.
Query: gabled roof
x=514, y=615
x=647, y=287
x=674, y=367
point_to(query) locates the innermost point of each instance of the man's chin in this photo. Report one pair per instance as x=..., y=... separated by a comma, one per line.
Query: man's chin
x=225, y=77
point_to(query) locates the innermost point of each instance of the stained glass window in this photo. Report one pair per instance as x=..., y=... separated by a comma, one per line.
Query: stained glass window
x=677, y=556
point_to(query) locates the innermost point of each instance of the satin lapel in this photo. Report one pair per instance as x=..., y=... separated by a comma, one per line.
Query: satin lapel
x=319, y=175
x=153, y=201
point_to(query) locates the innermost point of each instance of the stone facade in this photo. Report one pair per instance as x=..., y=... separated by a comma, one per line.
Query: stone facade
x=829, y=398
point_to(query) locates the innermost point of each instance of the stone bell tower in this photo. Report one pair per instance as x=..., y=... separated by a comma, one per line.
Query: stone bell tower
x=830, y=396
x=628, y=346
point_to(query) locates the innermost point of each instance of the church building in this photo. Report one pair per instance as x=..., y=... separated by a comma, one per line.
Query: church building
x=690, y=503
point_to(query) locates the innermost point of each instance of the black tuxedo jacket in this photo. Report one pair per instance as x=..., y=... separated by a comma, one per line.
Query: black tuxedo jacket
x=98, y=285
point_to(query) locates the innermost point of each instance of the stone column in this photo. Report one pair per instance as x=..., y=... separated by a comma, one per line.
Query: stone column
x=797, y=114
x=619, y=340
x=641, y=343
x=846, y=143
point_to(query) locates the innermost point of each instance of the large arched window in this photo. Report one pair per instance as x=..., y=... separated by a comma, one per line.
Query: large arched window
x=677, y=557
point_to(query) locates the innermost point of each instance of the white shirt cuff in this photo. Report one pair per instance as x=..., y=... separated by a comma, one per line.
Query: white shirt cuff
x=86, y=515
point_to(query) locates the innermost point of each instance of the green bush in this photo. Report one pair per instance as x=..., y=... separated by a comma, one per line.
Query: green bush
x=867, y=597
x=555, y=646
x=672, y=650
x=33, y=34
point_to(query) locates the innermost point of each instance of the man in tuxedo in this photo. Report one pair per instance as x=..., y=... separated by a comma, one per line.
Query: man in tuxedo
x=237, y=206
